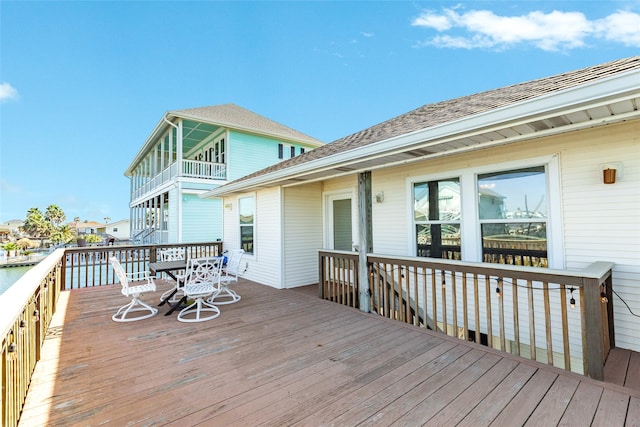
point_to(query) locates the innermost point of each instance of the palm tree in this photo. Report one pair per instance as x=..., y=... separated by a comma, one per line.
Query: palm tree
x=54, y=215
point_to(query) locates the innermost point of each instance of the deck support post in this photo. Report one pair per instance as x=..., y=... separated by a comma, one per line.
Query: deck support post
x=365, y=244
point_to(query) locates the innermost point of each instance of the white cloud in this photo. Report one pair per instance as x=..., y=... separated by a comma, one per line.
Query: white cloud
x=7, y=92
x=551, y=31
x=622, y=27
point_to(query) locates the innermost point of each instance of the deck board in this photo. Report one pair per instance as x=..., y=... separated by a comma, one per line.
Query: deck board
x=283, y=357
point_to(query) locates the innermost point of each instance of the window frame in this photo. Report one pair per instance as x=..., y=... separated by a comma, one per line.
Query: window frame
x=470, y=223
x=252, y=225
x=436, y=222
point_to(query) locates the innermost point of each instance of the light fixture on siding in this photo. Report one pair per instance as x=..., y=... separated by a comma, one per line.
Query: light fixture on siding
x=228, y=206
x=611, y=171
x=380, y=197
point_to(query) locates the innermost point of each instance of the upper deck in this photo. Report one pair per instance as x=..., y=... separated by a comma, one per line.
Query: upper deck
x=286, y=357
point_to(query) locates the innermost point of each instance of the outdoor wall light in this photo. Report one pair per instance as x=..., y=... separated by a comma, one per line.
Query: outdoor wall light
x=379, y=197
x=228, y=206
x=611, y=172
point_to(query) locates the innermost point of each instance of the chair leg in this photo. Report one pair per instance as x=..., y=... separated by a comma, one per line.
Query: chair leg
x=225, y=296
x=198, y=307
x=134, y=305
x=177, y=295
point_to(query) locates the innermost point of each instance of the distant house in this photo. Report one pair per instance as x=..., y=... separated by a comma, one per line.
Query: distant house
x=528, y=161
x=193, y=151
x=84, y=227
x=118, y=229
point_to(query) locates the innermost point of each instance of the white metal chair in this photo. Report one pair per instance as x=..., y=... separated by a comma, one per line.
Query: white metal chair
x=146, y=284
x=229, y=274
x=173, y=254
x=202, y=283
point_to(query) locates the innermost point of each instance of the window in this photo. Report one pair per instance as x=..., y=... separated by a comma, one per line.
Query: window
x=293, y=151
x=301, y=150
x=246, y=207
x=437, y=213
x=280, y=151
x=512, y=212
x=498, y=215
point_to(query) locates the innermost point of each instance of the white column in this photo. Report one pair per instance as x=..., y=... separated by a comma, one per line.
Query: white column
x=179, y=148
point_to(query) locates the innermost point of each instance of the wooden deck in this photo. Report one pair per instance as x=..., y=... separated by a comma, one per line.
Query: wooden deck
x=285, y=357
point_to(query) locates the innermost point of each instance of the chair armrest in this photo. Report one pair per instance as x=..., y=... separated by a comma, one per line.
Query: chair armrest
x=140, y=276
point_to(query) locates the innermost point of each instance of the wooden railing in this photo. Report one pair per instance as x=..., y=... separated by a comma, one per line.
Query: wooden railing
x=26, y=310
x=27, y=307
x=563, y=318
x=190, y=168
x=89, y=266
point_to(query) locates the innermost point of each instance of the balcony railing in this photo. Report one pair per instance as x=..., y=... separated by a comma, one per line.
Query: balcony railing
x=562, y=318
x=190, y=169
x=27, y=307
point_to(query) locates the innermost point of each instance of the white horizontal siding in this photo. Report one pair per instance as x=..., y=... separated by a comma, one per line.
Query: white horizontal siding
x=302, y=229
x=600, y=222
x=201, y=219
x=264, y=266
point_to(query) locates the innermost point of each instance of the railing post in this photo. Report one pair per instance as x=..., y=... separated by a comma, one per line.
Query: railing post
x=593, y=339
x=365, y=245
x=321, y=277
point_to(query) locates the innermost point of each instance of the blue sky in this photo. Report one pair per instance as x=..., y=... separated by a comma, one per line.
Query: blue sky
x=82, y=84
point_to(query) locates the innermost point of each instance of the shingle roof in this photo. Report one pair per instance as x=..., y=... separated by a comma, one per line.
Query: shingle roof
x=447, y=111
x=235, y=117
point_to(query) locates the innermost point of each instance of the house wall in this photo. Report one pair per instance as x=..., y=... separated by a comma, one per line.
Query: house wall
x=201, y=219
x=122, y=227
x=173, y=217
x=248, y=153
x=302, y=230
x=600, y=222
x=265, y=265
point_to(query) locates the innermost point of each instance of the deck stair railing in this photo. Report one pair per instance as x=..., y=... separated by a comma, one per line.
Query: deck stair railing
x=393, y=302
x=27, y=307
x=559, y=317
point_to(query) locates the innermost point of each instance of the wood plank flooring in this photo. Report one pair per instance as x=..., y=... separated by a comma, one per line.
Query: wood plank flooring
x=285, y=357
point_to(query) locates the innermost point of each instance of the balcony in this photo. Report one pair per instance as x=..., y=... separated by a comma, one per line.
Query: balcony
x=190, y=169
x=278, y=357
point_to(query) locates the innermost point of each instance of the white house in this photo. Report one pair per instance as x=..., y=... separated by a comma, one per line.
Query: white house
x=536, y=150
x=192, y=151
x=118, y=229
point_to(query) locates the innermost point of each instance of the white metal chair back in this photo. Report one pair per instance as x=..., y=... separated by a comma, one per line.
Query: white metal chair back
x=172, y=254
x=143, y=282
x=203, y=270
x=232, y=268
x=202, y=281
x=230, y=274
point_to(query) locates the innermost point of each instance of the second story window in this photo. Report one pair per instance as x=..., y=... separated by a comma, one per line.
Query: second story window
x=280, y=151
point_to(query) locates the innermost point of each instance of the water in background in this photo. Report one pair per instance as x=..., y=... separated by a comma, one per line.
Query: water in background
x=10, y=275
